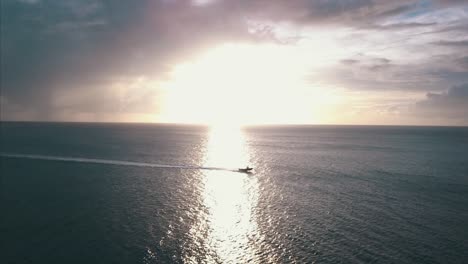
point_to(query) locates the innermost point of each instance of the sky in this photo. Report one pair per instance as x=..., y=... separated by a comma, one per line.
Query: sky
x=367, y=62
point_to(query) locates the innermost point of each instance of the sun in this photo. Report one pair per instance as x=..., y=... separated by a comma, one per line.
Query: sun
x=239, y=84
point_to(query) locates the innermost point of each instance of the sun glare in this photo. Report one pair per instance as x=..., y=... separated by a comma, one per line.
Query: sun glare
x=238, y=84
x=229, y=222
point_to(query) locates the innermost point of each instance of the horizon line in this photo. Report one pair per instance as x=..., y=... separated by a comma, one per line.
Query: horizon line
x=208, y=125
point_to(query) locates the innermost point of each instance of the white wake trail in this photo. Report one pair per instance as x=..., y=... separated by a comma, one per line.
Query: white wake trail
x=110, y=162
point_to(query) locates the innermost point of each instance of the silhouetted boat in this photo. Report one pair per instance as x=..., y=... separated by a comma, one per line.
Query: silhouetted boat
x=245, y=170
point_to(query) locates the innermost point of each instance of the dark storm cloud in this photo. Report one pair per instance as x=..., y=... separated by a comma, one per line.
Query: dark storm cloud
x=45, y=45
x=82, y=46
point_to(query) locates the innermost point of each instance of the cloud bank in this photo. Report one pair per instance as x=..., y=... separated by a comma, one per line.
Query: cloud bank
x=104, y=60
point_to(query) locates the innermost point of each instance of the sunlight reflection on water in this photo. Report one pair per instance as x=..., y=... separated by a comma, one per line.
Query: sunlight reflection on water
x=229, y=225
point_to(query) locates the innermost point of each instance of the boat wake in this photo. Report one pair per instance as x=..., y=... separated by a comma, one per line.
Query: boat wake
x=110, y=162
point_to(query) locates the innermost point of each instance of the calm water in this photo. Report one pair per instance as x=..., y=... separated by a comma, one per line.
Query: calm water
x=319, y=194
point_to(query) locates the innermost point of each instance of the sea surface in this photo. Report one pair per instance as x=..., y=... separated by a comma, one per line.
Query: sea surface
x=136, y=193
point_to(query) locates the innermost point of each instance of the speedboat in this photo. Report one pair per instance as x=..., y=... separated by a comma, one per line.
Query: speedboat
x=245, y=170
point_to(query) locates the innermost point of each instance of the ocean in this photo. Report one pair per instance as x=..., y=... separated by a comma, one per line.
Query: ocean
x=153, y=193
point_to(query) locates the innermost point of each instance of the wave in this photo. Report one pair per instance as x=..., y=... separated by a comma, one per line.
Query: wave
x=110, y=162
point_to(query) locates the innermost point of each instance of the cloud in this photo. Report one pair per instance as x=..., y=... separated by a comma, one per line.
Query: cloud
x=452, y=43
x=451, y=2
x=368, y=63
x=70, y=55
x=349, y=61
x=449, y=105
x=29, y=1
x=462, y=63
x=401, y=26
